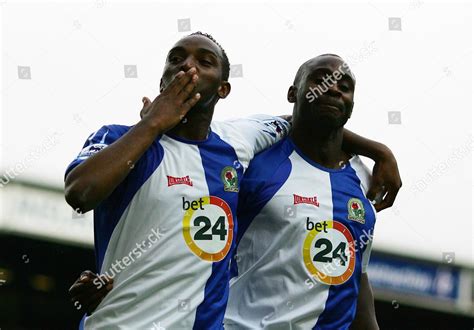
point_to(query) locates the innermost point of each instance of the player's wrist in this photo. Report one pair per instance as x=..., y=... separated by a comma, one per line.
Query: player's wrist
x=383, y=153
x=154, y=126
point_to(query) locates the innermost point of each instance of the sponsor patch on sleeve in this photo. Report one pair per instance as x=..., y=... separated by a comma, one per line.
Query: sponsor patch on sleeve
x=90, y=150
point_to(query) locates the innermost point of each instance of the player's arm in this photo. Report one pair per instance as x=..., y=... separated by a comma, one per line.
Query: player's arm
x=365, y=318
x=95, y=179
x=262, y=131
x=89, y=290
x=386, y=181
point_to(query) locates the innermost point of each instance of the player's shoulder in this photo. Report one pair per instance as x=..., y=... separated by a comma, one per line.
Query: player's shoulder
x=113, y=129
x=358, y=165
x=229, y=130
x=265, y=164
x=107, y=134
x=362, y=171
x=238, y=127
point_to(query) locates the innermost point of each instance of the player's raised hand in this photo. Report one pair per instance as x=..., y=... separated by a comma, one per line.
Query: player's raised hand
x=170, y=107
x=146, y=106
x=89, y=289
x=386, y=182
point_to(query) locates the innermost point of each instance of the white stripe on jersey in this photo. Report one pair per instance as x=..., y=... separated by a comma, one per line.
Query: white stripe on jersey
x=274, y=288
x=168, y=284
x=269, y=269
x=364, y=175
x=150, y=274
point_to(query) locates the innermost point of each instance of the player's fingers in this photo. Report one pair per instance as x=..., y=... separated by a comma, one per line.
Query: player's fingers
x=80, y=283
x=146, y=102
x=178, y=83
x=82, y=288
x=86, y=298
x=105, y=280
x=376, y=189
x=187, y=90
x=146, y=106
x=84, y=291
x=390, y=197
x=109, y=286
x=191, y=102
x=93, y=301
x=386, y=202
x=87, y=274
x=172, y=85
x=88, y=281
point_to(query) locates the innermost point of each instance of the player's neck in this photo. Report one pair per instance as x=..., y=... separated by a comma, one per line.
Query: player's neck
x=195, y=126
x=320, y=144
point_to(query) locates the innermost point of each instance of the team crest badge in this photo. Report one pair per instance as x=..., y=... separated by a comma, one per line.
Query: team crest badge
x=356, y=211
x=229, y=178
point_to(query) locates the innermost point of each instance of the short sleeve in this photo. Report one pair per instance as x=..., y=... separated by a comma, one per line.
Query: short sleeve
x=262, y=131
x=97, y=141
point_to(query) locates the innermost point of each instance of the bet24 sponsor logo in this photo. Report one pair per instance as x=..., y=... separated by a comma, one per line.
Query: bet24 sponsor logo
x=208, y=227
x=218, y=228
x=318, y=226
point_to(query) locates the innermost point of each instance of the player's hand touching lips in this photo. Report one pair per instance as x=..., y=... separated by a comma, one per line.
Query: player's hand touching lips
x=173, y=103
x=95, y=179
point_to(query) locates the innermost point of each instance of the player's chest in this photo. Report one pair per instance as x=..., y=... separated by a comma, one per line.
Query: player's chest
x=313, y=203
x=193, y=195
x=328, y=227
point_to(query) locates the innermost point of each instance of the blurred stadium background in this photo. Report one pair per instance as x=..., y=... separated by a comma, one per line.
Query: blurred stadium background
x=74, y=67
x=42, y=255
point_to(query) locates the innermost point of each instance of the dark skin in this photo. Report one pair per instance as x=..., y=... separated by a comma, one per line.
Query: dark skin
x=196, y=65
x=89, y=294
x=190, y=87
x=318, y=126
x=206, y=58
x=365, y=318
x=318, y=132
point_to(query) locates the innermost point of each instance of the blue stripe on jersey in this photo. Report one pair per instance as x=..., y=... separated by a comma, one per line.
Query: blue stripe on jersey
x=81, y=324
x=109, y=211
x=215, y=155
x=266, y=173
x=340, y=308
x=105, y=135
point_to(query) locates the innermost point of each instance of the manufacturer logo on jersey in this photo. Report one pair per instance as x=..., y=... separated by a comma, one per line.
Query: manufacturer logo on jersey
x=305, y=200
x=183, y=180
x=229, y=178
x=276, y=126
x=90, y=150
x=355, y=210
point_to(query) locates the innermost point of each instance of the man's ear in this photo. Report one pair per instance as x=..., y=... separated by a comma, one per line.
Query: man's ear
x=223, y=90
x=291, y=96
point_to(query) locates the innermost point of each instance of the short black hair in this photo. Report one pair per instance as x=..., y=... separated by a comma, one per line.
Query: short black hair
x=225, y=59
x=299, y=73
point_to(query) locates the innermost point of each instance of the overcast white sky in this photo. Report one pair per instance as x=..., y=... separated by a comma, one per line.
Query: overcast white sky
x=418, y=64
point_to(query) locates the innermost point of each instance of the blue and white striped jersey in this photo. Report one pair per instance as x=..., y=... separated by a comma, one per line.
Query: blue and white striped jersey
x=304, y=239
x=167, y=232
